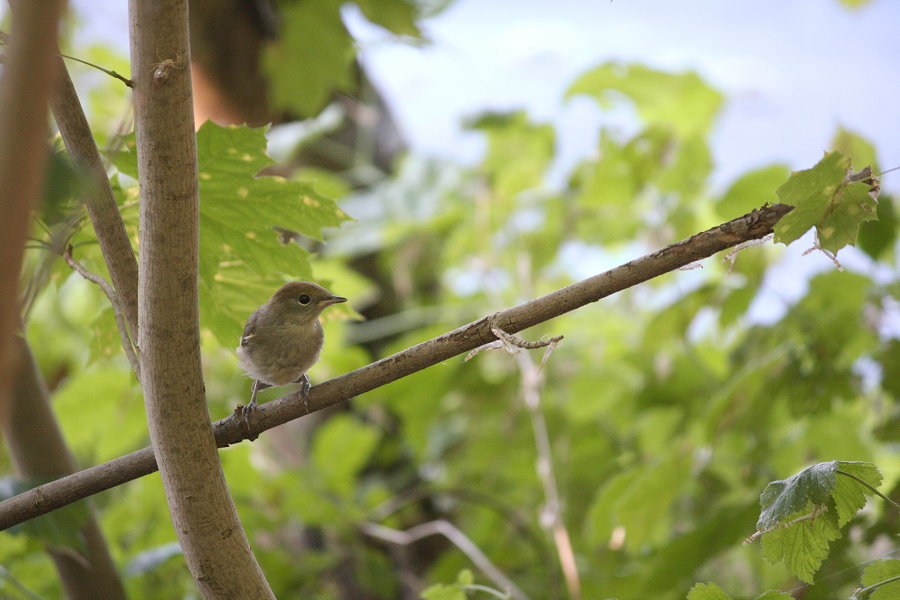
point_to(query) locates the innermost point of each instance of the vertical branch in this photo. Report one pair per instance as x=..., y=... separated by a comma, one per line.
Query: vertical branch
x=205, y=519
x=25, y=85
x=552, y=512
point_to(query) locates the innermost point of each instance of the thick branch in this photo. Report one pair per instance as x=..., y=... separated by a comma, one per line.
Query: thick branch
x=203, y=514
x=27, y=77
x=229, y=431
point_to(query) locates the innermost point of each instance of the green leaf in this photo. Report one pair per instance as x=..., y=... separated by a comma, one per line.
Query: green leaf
x=640, y=501
x=683, y=102
x=441, y=591
x=858, y=149
x=774, y=595
x=783, y=498
x=707, y=591
x=342, y=447
x=465, y=577
x=398, y=16
x=519, y=151
x=751, y=190
x=877, y=237
x=826, y=199
x=803, y=546
x=242, y=258
x=802, y=514
x=312, y=59
x=880, y=571
x=849, y=494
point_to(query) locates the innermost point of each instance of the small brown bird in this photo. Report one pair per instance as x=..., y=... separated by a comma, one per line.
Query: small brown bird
x=283, y=338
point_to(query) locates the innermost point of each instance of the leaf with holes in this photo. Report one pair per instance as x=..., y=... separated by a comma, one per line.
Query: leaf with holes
x=243, y=258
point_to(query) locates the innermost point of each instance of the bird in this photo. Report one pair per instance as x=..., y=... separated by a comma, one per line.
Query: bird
x=283, y=339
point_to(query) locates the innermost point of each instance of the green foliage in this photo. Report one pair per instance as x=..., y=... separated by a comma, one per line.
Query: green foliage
x=825, y=197
x=710, y=591
x=749, y=191
x=243, y=258
x=464, y=583
x=683, y=102
x=882, y=580
x=802, y=514
x=314, y=56
x=666, y=408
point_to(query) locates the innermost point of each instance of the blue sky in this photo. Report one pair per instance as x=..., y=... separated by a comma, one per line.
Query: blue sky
x=792, y=71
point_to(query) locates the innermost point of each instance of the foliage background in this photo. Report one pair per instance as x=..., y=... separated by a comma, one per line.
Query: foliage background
x=669, y=408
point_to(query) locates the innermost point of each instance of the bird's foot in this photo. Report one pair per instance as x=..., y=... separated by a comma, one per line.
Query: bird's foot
x=305, y=386
x=246, y=412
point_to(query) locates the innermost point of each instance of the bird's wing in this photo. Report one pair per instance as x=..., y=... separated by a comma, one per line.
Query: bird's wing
x=249, y=328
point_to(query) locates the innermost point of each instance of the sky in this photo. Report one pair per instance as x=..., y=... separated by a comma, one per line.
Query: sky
x=792, y=71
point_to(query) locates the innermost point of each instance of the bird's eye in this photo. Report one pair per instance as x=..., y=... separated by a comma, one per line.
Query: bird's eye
x=303, y=299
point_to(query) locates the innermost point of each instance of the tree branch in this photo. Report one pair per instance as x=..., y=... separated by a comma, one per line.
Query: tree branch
x=215, y=546
x=457, y=538
x=61, y=492
x=99, y=200
x=116, y=306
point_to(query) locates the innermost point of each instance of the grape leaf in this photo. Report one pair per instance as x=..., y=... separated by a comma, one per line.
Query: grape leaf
x=242, y=258
x=803, y=513
x=828, y=198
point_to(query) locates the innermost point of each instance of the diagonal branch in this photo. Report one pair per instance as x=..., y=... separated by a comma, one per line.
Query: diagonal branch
x=61, y=492
x=99, y=200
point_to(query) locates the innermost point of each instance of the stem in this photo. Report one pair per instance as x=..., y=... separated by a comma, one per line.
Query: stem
x=121, y=78
x=871, y=588
x=872, y=489
x=119, y=315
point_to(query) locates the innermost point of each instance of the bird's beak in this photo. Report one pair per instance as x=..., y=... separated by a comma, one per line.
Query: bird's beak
x=332, y=300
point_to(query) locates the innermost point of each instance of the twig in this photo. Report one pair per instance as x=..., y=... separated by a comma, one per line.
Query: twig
x=817, y=511
x=457, y=538
x=831, y=256
x=117, y=309
x=512, y=343
x=121, y=78
x=63, y=491
x=731, y=256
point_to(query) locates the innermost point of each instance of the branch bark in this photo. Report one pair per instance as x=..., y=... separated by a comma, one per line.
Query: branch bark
x=61, y=492
x=214, y=544
x=24, y=88
x=100, y=202
x=83, y=577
